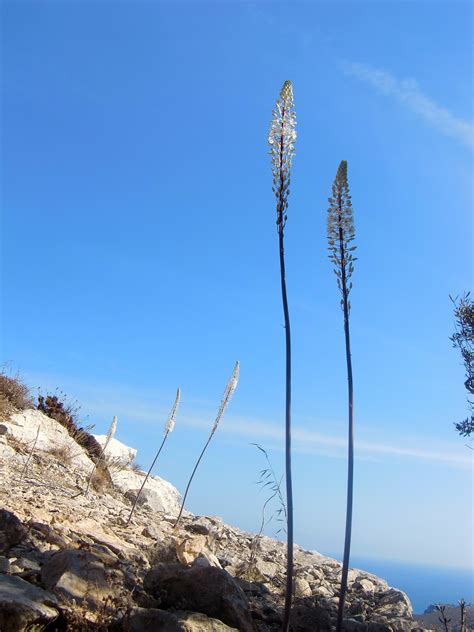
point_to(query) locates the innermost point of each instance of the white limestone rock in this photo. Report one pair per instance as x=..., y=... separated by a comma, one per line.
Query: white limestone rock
x=116, y=450
x=158, y=494
x=52, y=437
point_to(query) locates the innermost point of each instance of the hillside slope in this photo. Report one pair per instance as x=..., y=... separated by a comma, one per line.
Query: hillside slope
x=70, y=562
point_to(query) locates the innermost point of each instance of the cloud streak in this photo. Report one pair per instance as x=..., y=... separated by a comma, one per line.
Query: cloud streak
x=304, y=441
x=408, y=92
x=106, y=401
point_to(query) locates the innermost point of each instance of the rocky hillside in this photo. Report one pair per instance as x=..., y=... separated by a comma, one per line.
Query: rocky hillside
x=69, y=561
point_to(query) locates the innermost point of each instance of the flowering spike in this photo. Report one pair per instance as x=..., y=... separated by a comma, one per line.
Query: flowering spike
x=341, y=230
x=282, y=137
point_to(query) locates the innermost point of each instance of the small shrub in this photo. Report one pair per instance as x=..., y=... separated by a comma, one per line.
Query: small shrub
x=57, y=407
x=14, y=395
x=67, y=414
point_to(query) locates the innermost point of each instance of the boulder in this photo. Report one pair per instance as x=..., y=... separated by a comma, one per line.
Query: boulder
x=80, y=574
x=24, y=606
x=195, y=550
x=12, y=531
x=364, y=585
x=301, y=588
x=314, y=618
x=198, y=622
x=52, y=437
x=146, y=619
x=158, y=494
x=116, y=450
x=394, y=604
x=6, y=452
x=209, y=590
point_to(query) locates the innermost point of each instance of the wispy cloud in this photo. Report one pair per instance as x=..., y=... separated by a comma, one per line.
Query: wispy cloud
x=408, y=92
x=305, y=441
x=105, y=401
x=309, y=441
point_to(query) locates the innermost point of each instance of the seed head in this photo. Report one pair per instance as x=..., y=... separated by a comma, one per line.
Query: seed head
x=111, y=432
x=228, y=392
x=172, y=418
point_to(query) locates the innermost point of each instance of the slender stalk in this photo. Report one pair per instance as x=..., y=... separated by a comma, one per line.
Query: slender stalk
x=281, y=138
x=110, y=436
x=340, y=235
x=289, y=487
x=191, y=479
x=168, y=428
x=23, y=472
x=350, y=449
x=442, y=619
x=228, y=392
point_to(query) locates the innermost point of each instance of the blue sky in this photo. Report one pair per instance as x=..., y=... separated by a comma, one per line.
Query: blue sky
x=140, y=251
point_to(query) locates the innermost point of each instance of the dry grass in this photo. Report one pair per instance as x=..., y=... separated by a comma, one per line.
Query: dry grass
x=14, y=395
x=136, y=467
x=101, y=480
x=64, y=453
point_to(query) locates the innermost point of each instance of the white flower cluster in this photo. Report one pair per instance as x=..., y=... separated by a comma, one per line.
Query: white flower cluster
x=282, y=137
x=282, y=127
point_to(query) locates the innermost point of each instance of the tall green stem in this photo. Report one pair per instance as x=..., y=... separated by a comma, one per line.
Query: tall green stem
x=289, y=487
x=350, y=467
x=341, y=234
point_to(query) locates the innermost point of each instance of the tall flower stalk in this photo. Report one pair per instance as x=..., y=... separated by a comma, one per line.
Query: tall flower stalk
x=341, y=234
x=168, y=428
x=108, y=439
x=281, y=137
x=227, y=396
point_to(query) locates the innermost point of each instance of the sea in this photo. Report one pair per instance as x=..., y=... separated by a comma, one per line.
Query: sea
x=424, y=585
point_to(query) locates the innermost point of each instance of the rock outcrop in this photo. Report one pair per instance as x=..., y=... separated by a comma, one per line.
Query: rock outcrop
x=69, y=561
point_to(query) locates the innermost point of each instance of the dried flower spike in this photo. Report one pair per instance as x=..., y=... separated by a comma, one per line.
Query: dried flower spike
x=168, y=428
x=228, y=392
